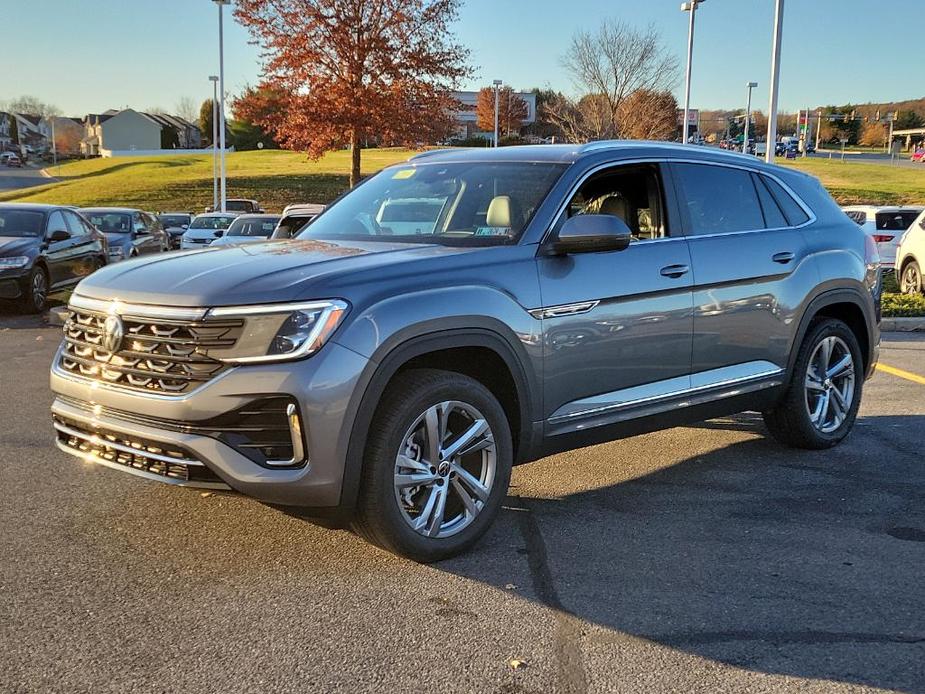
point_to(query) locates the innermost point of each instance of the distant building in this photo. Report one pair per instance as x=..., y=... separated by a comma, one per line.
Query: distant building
x=67, y=133
x=128, y=131
x=467, y=125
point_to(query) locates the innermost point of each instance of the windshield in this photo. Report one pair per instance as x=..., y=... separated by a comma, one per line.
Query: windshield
x=174, y=220
x=469, y=203
x=239, y=206
x=211, y=223
x=21, y=223
x=896, y=221
x=253, y=227
x=110, y=222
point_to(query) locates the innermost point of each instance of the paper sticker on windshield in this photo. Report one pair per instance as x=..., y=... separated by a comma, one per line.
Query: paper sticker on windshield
x=403, y=173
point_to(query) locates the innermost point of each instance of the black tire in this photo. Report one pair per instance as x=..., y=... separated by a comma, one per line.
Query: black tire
x=910, y=281
x=379, y=517
x=790, y=421
x=35, y=293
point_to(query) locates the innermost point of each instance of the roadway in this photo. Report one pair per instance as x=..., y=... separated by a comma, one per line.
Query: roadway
x=26, y=177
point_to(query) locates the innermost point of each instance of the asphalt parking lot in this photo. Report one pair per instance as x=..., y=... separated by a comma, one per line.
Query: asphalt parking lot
x=697, y=559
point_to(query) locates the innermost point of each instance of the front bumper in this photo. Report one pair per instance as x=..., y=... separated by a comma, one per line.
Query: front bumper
x=322, y=386
x=14, y=282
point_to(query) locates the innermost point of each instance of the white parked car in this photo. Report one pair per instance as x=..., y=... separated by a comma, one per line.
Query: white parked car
x=248, y=228
x=910, y=257
x=205, y=228
x=294, y=219
x=886, y=224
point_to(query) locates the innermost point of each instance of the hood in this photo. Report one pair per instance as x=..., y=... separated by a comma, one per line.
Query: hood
x=18, y=245
x=265, y=272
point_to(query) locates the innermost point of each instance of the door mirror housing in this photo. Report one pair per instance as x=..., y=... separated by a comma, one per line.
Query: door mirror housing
x=59, y=235
x=591, y=233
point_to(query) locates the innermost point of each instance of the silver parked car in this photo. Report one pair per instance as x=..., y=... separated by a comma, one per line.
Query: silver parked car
x=248, y=228
x=388, y=370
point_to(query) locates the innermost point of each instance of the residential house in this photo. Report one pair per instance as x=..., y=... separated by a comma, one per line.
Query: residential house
x=128, y=131
x=30, y=135
x=5, y=139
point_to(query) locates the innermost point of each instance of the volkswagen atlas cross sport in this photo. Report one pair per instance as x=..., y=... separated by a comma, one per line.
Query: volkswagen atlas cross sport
x=390, y=364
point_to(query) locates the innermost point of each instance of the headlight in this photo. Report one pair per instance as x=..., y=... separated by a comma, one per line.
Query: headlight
x=14, y=261
x=280, y=332
x=116, y=252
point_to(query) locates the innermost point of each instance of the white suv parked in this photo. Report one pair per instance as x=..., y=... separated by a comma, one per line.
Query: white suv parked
x=910, y=257
x=886, y=225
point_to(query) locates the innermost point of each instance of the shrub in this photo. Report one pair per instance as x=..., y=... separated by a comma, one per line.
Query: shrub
x=903, y=305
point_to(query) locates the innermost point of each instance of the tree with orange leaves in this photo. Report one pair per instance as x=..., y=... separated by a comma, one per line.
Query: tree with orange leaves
x=512, y=110
x=337, y=72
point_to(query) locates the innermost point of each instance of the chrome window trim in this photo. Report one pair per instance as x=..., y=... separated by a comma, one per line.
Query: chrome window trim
x=678, y=160
x=665, y=396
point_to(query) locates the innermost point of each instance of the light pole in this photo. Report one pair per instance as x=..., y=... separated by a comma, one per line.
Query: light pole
x=214, y=80
x=775, y=81
x=692, y=8
x=221, y=98
x=497, y=84
x=748, y=115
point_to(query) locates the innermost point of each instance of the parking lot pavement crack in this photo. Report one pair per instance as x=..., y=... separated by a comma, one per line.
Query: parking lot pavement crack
x=571, y=674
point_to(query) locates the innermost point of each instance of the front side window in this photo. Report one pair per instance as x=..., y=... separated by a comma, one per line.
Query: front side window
x=74, y=224
x=56, y=223
x=718, y=199
x=632, y=193
x=459, y=203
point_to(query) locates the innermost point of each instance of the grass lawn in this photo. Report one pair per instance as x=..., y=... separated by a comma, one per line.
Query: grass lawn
x=853, y=183
x=274, y=178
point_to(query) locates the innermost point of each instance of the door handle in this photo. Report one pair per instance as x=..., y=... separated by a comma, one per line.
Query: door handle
x=782, y=258
x=674, y=270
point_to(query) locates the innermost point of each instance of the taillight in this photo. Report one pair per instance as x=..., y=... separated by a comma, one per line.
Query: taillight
x=871, y=254
x=882, y=238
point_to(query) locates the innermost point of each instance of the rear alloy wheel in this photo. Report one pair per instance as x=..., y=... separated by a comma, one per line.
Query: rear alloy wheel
x=437, y=465
x=821, y=402
x=36, y=291
x=911, y=280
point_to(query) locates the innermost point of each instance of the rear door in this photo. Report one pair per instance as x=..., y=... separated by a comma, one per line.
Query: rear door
x=617, y=325
x=86, y=246
x=750, y=270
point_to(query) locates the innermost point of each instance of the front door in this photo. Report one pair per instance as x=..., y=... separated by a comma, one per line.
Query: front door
x=617, y=325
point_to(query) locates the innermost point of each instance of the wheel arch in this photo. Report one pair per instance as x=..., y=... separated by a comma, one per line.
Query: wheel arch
x=466, y=350
x=848, y=306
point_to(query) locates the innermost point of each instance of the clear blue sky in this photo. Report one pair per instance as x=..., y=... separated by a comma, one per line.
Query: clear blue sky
x=96, y=54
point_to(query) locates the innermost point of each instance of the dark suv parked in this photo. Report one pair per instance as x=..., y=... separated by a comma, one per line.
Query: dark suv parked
x=467, y=311
x=45, y=249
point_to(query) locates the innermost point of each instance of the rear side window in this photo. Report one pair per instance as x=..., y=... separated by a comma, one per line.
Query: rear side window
x=719, y=199
x=895, y=221
x=773, y=217
x=857, y=217
x=795, y=214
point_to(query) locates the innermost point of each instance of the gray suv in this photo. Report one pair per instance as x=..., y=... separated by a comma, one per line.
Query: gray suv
x=467, y=311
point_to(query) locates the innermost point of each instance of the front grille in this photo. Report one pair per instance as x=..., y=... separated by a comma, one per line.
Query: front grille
x=159, y=355
x=150, y=458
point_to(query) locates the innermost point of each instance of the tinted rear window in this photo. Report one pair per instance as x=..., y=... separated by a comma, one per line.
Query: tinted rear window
x=896, y=221
x=795, y=214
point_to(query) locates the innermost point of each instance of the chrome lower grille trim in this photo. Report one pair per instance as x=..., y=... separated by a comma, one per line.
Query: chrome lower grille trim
x=143, y=459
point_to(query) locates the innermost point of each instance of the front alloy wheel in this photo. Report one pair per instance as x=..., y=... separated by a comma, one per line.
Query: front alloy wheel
x=445, y=469
x=36, y=291
x=436, y=466
x=911, y=280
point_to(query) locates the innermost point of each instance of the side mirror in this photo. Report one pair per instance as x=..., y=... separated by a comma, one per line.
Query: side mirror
x=59, y=235
x=591, y=233
x=184, y=226
x=219, y=232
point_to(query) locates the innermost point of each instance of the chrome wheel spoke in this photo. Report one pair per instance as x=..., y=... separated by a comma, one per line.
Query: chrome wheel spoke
x=435, y=428
x=407, y=463
x=829, y=384
x=480, y=491
x=414, y=480
x=814, y=384
x=469, y=441
x=467, y=501
x=841, y=368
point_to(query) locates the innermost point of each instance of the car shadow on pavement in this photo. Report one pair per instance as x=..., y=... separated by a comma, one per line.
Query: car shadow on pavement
x=784, y=562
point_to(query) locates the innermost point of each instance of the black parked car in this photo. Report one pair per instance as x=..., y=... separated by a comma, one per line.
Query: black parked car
x=45, y=249
x=130, y=232
x=175, y=223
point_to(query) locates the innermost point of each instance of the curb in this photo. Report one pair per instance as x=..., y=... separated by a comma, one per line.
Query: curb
x=57, y=315
x=902, y=325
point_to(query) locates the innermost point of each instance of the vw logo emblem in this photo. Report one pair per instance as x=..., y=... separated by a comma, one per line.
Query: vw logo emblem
x=112, y=334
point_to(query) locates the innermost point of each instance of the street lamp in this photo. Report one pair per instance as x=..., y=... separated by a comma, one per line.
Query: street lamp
x=221, y=97
x=692, y=8
x=497, y=84
x=775, y=81
x=214, y=80
x=748, y=115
